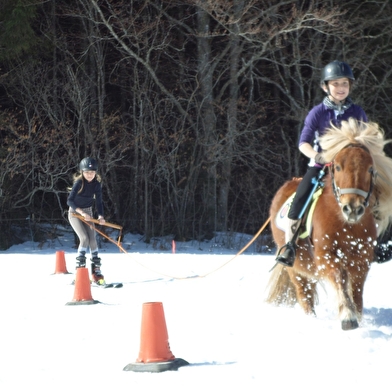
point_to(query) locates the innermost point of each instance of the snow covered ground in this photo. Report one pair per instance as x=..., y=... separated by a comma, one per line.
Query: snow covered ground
x=215, y=315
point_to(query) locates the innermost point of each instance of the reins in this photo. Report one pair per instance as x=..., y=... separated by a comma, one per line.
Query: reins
x=118, y=244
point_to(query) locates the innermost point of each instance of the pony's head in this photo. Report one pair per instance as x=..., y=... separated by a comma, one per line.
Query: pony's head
x=370, y=136
x=352, y=173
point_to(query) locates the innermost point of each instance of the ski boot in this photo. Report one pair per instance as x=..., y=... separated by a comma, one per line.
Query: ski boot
x=96, y=274
x=80, y=263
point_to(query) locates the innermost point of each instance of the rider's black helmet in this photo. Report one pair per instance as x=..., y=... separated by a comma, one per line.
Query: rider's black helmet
x=336, y=70
x=87, y=164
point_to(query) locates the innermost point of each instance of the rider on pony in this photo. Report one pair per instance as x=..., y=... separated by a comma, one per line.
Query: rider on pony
x=336, y=80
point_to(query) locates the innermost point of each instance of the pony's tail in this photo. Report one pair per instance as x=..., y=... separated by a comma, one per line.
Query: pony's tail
x=281, y=289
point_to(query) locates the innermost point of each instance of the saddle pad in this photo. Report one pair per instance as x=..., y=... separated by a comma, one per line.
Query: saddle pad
x=281, y=217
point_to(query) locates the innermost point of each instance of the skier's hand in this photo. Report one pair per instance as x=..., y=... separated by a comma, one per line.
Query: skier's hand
x=101, y=220
x=86, y=217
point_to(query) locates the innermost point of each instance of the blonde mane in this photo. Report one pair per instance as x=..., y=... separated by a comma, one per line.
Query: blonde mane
x=372, y=137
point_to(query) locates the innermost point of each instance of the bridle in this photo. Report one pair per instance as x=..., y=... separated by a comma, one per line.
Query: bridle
x=338, y=192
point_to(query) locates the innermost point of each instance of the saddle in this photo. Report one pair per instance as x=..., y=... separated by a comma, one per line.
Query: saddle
x=306, y=224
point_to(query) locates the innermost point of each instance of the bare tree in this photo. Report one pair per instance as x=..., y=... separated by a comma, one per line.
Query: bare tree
x=193, y=107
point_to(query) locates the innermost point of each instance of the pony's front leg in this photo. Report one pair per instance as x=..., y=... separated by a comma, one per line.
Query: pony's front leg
x=339, y=278
x=305, y=291
x=358, y=282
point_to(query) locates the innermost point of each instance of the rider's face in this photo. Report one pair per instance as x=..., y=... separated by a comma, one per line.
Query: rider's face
x=338, y=89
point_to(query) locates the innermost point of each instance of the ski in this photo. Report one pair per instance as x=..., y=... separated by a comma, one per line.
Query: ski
x=115, y=285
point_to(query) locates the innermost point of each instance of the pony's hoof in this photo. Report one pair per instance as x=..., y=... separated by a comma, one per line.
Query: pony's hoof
x=348, y=325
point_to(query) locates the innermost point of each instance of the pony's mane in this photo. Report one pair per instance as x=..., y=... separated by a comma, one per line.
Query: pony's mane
x=371, y=136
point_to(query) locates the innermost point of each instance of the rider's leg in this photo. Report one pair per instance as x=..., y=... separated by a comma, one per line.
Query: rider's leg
x=287, y=256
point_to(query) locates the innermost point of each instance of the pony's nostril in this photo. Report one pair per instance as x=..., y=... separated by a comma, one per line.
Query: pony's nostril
x=360, y=210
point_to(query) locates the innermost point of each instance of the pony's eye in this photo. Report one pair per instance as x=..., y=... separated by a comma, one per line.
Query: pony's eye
x=370, y=169
x=338, y=168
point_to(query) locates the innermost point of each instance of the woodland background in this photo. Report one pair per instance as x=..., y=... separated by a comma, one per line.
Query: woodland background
x=193, y=108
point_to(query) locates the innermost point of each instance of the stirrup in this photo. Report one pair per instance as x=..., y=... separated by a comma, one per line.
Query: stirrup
x=286, y=258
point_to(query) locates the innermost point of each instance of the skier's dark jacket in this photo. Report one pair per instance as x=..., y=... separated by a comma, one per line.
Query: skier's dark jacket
x=85, y=199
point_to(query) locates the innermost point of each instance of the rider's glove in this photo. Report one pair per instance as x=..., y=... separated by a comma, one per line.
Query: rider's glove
x=320, y=159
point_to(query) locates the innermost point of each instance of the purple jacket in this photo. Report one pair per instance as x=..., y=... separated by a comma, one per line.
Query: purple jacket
x=319, y=119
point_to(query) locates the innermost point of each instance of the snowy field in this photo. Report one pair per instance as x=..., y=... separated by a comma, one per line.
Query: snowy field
x=215, y=315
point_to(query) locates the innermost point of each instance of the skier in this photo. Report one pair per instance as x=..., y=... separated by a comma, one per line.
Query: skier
x=87, y=188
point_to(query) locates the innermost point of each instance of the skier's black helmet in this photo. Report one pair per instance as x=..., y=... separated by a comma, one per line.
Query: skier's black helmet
x=87, y=164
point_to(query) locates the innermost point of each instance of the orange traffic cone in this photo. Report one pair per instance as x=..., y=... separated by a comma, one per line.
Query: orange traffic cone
x=60, y=263
x=155, y=355
x=82, y=294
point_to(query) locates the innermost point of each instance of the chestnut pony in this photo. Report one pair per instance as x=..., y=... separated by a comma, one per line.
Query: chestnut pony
x=340, y=248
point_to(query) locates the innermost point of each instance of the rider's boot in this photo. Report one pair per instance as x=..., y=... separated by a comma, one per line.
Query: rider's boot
x=286, y=255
